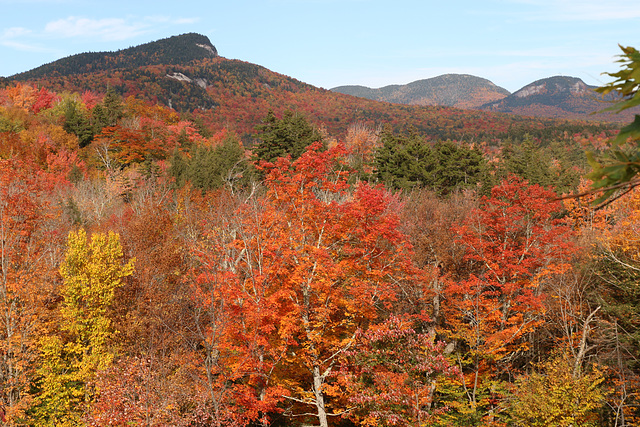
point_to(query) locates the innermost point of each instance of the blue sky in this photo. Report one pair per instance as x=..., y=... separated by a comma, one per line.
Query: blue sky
x=329, y=43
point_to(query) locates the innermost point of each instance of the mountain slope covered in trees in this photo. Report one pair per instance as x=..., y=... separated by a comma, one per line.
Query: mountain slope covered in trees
x=181, y=49
x=452, y=90
x=559, y=96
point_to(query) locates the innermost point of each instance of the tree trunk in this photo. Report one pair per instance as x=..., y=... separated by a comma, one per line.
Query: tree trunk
x=317, y=390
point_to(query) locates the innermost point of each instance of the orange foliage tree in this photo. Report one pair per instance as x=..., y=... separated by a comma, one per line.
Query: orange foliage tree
x=314, y=261
x=26, y=274
x=514, y=245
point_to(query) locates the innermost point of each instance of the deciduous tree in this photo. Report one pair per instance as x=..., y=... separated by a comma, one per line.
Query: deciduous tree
x=91, y=272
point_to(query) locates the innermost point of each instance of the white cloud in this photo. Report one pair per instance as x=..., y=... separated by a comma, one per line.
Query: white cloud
x=13, y=32
x=108, y=29
x=14, y=38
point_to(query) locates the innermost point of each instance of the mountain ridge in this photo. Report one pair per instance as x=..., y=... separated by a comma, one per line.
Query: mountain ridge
x=559, y=96
x=180, y=49
x=237, y=95
x=452, y=90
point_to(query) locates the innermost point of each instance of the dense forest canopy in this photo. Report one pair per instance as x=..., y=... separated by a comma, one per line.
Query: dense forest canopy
x=170, y=267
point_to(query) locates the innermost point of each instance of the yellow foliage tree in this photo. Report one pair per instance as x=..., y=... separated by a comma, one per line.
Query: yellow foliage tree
x=91, y=273
x=558, y=396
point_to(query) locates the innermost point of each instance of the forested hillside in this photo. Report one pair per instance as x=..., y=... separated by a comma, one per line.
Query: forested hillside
x=453, y=90
x=203, y=242
x=181, y=50
x=560, y=96
x=156, y=272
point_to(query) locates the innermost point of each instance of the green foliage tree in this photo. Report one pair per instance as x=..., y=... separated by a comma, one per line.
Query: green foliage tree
x=290, y=135
x=405, y=162
x=525, y=160
x=616, y=173
x=77, y=121
x=109, y=111
x=92, y=271
x=548, y=165
x=457, y=166
x=209, y=168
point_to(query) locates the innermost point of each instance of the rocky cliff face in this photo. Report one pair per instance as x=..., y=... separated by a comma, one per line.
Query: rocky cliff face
x=556, y=86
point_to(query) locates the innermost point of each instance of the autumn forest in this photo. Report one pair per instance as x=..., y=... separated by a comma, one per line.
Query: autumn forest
x=242, y=260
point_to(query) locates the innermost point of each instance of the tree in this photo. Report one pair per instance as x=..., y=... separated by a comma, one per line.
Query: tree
x=109, y=111
x=616, y=262
x=556, y=396
x=76, y=121
x=290, y=135
x=457, y=166
x=406, y=162
x=320, y=261
x=525, y=160
x=25, y=274
x=514, y=245
x=615, y=174
x=393, y=378
x=209, y=168
x=91, y=273
x=403, y=162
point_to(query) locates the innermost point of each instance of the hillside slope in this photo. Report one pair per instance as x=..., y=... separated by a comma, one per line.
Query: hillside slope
x=558, y=97
x=173, y=50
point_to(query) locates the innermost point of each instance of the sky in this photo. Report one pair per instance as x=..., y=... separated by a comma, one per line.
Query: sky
x=329, y=43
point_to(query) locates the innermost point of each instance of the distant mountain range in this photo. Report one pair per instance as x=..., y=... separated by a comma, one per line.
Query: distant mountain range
x=186, y=73
x=554, y=97
x=452, y=90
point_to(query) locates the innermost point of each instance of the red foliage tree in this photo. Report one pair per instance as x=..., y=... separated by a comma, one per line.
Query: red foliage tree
x=320, y=260
x=514, y=243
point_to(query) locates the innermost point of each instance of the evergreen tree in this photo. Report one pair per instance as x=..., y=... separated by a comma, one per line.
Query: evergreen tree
x=109, y=112
x=290, y=135
x=208, y=168
x=77, y=122
x=527, y=161
x=457, y=166
x=405, y=162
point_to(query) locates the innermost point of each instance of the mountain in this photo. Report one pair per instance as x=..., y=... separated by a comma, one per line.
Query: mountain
x=180, y=49
x=186, y=73
x=453, y=90
x=558, y=97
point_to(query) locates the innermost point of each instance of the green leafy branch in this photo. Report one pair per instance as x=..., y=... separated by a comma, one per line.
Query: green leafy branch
x=616, y=173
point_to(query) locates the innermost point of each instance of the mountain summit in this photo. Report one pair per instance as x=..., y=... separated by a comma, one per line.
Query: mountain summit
x=176, y=50
x=452, y=90
x=558, y=96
